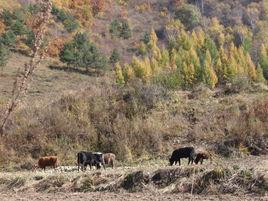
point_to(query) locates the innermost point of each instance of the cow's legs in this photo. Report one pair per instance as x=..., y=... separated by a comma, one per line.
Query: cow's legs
x=201, y=161
x=179, y=162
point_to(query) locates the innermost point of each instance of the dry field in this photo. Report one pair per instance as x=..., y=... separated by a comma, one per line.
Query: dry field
x=243, y=178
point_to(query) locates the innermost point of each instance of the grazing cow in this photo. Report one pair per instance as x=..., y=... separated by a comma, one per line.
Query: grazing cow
x=89, y=158
x=185, y=152
x=200, y=156
x=47, y=161
x=109, y=159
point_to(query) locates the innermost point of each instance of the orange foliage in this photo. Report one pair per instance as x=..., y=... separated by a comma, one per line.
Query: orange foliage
x=55, y=47
x=97, y=6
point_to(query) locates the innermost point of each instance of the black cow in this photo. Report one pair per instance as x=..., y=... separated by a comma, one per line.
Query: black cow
x=89, y=158
x=185, y=152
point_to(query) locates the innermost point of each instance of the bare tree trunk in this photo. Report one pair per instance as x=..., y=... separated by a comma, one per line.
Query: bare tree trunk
x=21, y=82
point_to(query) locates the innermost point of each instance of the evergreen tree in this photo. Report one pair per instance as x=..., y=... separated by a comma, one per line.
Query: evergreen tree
x=18, y=28
x=80, y=52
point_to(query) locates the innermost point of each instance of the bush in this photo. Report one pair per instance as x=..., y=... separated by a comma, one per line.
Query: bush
x=146, y=38
x=18, y=28
x=115, y=56
x=8, y=17
x=80, y=52
x=70, y=24
x=125, y=30
x=189, y=15
x=30, y=37
x=120, y=29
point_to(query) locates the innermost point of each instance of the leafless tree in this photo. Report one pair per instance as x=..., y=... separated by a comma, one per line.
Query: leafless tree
x=21, y=82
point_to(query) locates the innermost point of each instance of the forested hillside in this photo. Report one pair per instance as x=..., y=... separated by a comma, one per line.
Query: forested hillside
x=137, y=78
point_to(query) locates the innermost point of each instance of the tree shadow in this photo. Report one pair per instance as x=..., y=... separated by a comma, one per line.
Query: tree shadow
x=88, y=72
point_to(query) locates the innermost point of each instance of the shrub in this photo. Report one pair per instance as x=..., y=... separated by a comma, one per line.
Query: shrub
x=120, y=29
x=70, y=24
x=125, y=30
x=30, y=37
x=18, y=28
x=115, y=56
x=8, y=17
x=189, y=15
x=146, y=38
x=8, y=38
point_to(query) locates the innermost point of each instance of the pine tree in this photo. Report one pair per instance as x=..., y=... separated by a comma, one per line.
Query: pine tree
x=188, y=73
x=252, y=74
x=147, y=67
x=209, y=76
x=155, y=51
x=219, y=70
x=142, y=49
x=165, y=58
x=119, y=74
x=138, y=67
x=173, y=58
x=128, y=73
x=230, y=68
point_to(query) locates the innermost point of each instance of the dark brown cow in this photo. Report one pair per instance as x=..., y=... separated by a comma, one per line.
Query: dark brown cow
x=185, y=152
x=109, y=159
x=47, y=161
x=200, y=156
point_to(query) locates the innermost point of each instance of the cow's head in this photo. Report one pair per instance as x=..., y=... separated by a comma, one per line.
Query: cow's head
x=34, y=168
x=171, y=161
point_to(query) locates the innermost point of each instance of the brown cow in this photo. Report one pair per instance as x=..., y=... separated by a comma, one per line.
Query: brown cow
x=109, y=159
x=200, y=156
x=47, y=161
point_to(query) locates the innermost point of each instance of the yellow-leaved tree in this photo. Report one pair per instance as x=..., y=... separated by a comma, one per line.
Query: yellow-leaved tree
x=209, y=76
x=119, y=74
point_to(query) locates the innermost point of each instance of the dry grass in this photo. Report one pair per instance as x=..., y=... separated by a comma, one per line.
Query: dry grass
x=157, y=178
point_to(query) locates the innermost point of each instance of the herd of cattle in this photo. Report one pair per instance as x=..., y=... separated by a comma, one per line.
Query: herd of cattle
x=98, y=159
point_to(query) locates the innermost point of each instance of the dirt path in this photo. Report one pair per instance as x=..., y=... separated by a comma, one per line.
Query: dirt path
x=101, y=196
